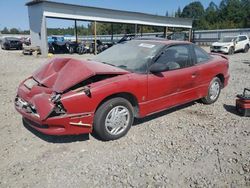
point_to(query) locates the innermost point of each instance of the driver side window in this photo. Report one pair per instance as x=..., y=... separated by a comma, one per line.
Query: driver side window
x=175, y=57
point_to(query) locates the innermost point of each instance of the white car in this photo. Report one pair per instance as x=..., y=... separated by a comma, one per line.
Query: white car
x=231, y=44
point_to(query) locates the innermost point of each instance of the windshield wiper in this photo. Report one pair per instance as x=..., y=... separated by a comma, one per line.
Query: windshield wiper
x=122, y=66
x=125, y=68
x=119, y=66
x=108, y=64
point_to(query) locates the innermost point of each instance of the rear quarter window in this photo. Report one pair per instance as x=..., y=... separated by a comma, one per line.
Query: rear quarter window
x=201, y=55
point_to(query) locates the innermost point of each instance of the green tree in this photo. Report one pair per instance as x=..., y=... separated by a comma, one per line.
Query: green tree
x=195, y=10
x=14, y=31
x=166, y=14
x=245, y=4
x=211, y=15
x=178, y=13
x=5, y=30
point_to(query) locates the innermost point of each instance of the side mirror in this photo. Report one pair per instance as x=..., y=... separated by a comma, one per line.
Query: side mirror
x=158, y=67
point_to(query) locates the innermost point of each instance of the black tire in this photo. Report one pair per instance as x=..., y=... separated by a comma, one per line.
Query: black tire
x=51, y=50
x=80, y=51
x=71, y=50
x=100, y=129
x=231, y=51
x=209, y=99
x=246, y=49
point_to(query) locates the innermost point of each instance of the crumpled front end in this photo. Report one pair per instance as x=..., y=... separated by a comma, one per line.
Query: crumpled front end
x=42, y=109
x=60, y=83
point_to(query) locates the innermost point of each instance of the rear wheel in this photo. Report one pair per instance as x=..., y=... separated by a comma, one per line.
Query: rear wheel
x=246, y=48
x=113, y=119
x=213, y=91
x=231, y=51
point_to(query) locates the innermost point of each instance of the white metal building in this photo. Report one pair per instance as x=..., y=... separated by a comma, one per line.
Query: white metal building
x=39, y=10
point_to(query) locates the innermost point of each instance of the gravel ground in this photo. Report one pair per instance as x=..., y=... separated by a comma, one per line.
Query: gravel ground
x=194, y=145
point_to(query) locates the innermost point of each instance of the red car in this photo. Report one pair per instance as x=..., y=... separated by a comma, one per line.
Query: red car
x=132, y=79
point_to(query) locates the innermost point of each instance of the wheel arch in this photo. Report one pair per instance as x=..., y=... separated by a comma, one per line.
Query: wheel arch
x=126, y=95
x=222, y=79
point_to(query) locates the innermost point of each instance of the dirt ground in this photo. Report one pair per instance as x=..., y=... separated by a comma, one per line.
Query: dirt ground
x=194, y=145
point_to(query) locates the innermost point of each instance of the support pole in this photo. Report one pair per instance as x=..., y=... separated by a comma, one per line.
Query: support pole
x=135, y=29
x=165, y=32
x=95, y=37
x=112, y=33
x=76, y=34
x=141, y=30
x=190, y=35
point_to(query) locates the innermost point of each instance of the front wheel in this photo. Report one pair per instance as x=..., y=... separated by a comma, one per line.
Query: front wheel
x=71, y=50
x=231, y=51
x=113, y=119
x=213, y=91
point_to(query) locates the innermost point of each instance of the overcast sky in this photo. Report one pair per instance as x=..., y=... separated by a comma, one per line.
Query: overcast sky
x=14, y=13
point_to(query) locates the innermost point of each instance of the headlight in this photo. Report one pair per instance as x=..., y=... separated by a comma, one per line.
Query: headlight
x=55, y=97
x=30, y=83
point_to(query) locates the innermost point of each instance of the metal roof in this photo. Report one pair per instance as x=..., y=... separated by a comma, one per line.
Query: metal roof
x=78, y=12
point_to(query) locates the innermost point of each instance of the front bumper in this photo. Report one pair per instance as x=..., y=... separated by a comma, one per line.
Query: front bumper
x=220, y=49
x=67, y=124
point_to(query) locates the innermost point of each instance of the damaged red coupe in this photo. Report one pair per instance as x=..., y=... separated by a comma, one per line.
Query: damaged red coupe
x=131, y=79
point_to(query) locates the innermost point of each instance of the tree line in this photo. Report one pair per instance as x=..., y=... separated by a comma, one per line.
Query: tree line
x=228, y=14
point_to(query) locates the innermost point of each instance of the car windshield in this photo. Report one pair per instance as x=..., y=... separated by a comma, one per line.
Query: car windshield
x=227, y=39
x=11, y=39
x=130, y=55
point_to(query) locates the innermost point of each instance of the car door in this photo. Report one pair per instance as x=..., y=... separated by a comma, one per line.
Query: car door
x=174, y=86
x=239, y=44
x=206, y=70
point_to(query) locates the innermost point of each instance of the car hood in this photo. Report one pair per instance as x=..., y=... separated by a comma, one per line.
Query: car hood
x=222, y=44
x=62, y=73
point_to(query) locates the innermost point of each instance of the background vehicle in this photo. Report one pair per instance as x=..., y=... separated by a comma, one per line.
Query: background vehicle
x=82, y=48
x=127, y=37
x=62, y=47
x=231, y=44
x=26, y=41
x=180, y=36
x=68, y=96
x=55, y=39
x=100, y=47
x=11, y=43
x=57, y=45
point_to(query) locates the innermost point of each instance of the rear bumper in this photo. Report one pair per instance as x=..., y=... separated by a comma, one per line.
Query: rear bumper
x=73, y=124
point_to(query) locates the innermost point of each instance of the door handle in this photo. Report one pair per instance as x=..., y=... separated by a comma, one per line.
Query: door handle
x=194, y=75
